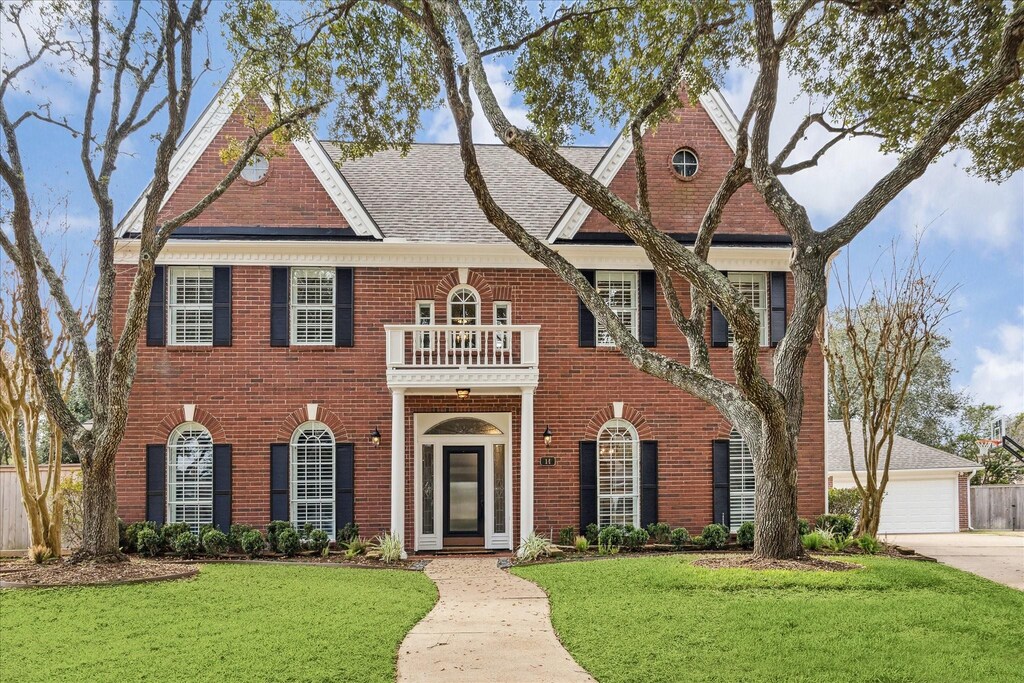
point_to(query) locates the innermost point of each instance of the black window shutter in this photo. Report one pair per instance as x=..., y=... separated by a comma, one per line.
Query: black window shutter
x=344, y=472
x=648, y=308
x=648, y=482
x=222, y=487
x=156, y=483
x=344, y=304
x=719, y=326
x=588, y=327
x=279, y=493
x=156, y=319
x=778, y=301
x=222, y=306
x=279, y=306
x=720, y=478
x=588, y=484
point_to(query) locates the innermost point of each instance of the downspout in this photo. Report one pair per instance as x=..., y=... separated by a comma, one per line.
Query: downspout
x=970, y=526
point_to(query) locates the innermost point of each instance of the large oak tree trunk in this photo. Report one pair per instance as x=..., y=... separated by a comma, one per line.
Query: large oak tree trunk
x=776, y=531
x=100, y=537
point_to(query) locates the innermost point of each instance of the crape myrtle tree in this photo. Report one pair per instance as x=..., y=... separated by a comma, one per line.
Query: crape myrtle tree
x=923, y=77
x=136, y=67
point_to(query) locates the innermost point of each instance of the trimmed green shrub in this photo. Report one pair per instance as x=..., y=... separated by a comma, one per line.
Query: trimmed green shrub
x=235, y=535
x=714, y=536
x=634, y=539
x=203, y=528
x=348, y=532
x=679, y=538
x=215, y=542
x=273, y=530
x=252, y=543
x=804, y=526
x=566, y=535
x=122, y=542
x=815, y=540
x=186, y=545
x=745, y=535
x=869, y=544
x=591, y=533
x=659, y=532
x=610, y=537
x=171, y=531
x=840, y=525
x=131, y=534
x=149, y=542
x=844, y=502
x=306, y=530
x=581, y=544
x=288, y=541
x=317, y=540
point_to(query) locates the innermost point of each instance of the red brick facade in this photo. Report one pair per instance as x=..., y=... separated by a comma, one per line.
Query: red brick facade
x=963, y=486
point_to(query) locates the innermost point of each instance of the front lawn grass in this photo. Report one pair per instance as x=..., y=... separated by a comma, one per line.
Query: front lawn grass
x=231, y=623
x=661, y=619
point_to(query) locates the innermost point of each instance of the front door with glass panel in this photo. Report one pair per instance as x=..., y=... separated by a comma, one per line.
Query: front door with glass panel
x=463, y=491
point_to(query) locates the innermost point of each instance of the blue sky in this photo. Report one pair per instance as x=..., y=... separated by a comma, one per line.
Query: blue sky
x=975, y=228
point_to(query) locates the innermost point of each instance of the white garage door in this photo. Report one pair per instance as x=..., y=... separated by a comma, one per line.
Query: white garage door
x=916, y=506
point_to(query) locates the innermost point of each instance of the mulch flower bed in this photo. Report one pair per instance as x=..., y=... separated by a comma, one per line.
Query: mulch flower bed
x=60, y=573
x=331, y=560
x=745, y=561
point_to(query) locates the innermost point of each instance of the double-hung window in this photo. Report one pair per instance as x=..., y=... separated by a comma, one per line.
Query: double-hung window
x=312, y=306
x=425, y=316
x=741, y=482
x=754, y=288
x=502, y=316
x=619, y=290
x=190, y=306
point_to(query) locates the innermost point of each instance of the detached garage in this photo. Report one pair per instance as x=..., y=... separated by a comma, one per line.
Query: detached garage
x=928, y=489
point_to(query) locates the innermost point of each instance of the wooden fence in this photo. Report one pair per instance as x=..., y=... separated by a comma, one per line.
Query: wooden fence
x=998, y=507
x=14, y=534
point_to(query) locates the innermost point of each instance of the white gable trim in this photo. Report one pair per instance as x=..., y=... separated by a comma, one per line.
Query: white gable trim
x=202, y=135
x=716, y=107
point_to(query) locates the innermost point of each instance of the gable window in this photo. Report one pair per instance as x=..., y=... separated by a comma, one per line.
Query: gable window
x=256, y=170
x=618, y=289
x=754, y=288
x=312, y=477
x=463, y=309
x=502, y=316
x=312, y=305
x=618, y=474
x=684, y=163
x=741, y=482
x=190, y=476
x=190, y=306
x=424, y=316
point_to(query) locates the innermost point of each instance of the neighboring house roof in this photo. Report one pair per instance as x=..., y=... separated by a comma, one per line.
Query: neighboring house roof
x=907, y=454
x=423, y=196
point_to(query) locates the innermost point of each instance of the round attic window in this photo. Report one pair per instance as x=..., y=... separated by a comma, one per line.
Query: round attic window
x=256, y=170
x=684, y=163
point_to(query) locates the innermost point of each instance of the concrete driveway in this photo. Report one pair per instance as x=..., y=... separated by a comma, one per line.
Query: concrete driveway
x=996, y=555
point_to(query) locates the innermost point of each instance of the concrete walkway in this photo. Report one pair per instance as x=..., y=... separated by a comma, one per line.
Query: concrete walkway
x=996, y=556
x=488, y=626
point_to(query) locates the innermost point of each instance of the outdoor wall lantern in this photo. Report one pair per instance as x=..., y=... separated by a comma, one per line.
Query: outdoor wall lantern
x=547, y=436
x=462, y=393
x=375, y=437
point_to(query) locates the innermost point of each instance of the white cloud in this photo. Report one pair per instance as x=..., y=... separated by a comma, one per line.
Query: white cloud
x=441, y=127
x=998, y=376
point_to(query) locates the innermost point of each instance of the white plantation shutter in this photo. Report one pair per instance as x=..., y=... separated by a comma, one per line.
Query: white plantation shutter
x=741, y=482
x=754, y=288
x=190, y=306
x=618, y=289
x=312, y=305
x=190, y=476
x=312, y=477
x=618, y=474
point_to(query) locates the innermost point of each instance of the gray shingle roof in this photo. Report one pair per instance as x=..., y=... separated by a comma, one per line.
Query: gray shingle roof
x=422, y=197
x=906, y=453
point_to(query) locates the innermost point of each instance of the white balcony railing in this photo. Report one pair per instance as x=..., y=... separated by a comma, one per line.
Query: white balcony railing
x=462, y=347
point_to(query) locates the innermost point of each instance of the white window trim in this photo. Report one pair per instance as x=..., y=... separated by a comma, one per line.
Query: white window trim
x=173, y=273
x=634, y=309
x=464, y=340
x=204, y=503
x=293, y=498
x=424, y=341
x=295, y=307
x=635, y=494
x=762, y=311
x=502, y=340
x=741, y=472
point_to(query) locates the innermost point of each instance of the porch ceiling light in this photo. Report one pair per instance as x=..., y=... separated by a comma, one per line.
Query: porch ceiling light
x=547, y=436
x=462, y=393
x=375, y=437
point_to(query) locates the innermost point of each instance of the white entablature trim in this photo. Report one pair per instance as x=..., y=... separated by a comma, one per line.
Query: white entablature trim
x=432, y=255
x=202, y=135
x=716, y=107
x=487, y=382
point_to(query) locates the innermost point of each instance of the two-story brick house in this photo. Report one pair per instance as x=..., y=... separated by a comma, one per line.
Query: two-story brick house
x=332, y=345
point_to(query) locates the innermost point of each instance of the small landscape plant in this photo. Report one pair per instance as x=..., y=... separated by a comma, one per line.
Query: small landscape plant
x=171, y=531
x=869, y=544
x=804, y=526
x=39, y=554
x=252, y=543
x=714, y=536
x=659, y=532
x=839, y=525
x=844, y=502
x=591, y=532
x=149, y=542
x=566, y=535
x=581, y=544
x=274, y=529
x=306, y=530
x=186, y=544
x=348, y=532
x=317, y=541
x=355, y=547
x=610, y=537
x=532, y=547
x=235, y=535
x=390, y=548
x=633, y=538
x=745, y=535
x=129, y=541
x=215, y=542
x=814, y=540
x=288, y=541
x=679, y=538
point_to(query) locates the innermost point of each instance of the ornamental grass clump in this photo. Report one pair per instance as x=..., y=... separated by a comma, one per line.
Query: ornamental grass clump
x=869, y=544
x=356, y=547
x=389, y=547
x=581, y=544
x=532, y=547
x=38, y=554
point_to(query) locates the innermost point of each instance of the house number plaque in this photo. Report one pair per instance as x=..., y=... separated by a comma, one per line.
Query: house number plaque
x=547, y=461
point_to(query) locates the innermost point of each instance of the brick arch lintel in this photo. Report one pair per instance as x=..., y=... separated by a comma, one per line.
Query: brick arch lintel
x=474, y=280
x=201, y=416
x=630, y=414
x=300, y=416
